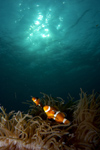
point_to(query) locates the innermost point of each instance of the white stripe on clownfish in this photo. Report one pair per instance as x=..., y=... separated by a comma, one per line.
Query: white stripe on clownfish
x=64, y=120
x=48, y=109
x=56, y=114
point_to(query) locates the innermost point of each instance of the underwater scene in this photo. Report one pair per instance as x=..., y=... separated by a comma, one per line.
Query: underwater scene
x=50, y=75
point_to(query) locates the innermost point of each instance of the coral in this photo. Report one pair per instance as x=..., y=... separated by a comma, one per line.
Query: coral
x=33, y=131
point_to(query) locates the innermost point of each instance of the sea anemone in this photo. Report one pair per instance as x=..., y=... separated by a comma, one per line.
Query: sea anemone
x=19, y=131
x=87, y=118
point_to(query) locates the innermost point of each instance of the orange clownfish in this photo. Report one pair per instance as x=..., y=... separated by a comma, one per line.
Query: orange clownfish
x=58, y=116
x=36, y=101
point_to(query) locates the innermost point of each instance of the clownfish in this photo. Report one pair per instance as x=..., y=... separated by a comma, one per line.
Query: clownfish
x=56, y=115
x=36, y=101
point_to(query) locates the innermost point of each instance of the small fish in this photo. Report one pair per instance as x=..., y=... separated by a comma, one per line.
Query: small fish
x=97, y=25
x=56, y=115
x=49, y=111
x=36, y=101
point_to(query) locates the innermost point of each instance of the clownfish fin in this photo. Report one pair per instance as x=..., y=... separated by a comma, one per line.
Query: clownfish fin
x=53, y=112
x=38, y=100
x=49, y=117
x=56, y=119
x=64, y=114
x=40, y=105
